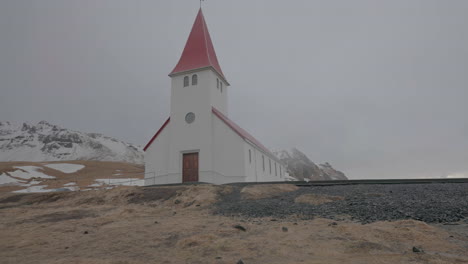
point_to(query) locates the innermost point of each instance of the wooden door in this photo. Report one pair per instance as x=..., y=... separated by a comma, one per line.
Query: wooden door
x=190, y=167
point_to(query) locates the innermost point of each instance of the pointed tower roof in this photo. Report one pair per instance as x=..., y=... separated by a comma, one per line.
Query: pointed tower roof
x=199, y=51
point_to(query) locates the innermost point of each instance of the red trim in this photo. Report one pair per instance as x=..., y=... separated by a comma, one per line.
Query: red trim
x=241, y=132
x=156, y=135
x=199, y=51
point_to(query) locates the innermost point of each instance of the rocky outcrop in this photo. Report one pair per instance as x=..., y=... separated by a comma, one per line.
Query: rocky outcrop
x=46, y=142
x=301, y=167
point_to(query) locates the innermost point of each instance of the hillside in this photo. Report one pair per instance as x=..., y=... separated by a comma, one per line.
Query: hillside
x=79, y=175
x=47, y=142
x=302, y=168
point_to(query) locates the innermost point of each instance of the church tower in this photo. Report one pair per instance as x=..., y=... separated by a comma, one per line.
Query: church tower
x=198, y=70
x=198, y=142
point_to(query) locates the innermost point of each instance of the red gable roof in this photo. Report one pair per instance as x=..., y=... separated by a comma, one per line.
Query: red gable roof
x=241, y=132
x=157, y=134
x=199, y=50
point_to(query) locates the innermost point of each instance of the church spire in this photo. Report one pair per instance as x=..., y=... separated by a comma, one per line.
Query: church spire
x=199, y=51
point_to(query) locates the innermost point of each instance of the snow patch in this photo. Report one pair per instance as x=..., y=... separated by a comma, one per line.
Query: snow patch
x=458, y=175
x=70, y=184
x=5, y=179
x=38, y=188
x=65, y=167
x=28, y=172
x=123, y=181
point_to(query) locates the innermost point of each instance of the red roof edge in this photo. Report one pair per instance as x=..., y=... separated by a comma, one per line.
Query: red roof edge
x=157, y=134
x=242, y=133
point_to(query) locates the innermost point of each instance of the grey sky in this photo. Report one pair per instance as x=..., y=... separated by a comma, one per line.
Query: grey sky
x=377, y=88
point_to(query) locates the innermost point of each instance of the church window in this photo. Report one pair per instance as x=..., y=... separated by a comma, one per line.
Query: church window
x=217, y=83
x=270, y=165
x=263, y=162
x=221, y=86
x=194, y=79
x=186, y=81
x=189, y=118
x=280, y=171
x=250, y=156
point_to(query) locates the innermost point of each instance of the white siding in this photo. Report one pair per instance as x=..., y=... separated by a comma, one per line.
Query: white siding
x=254, y=170
x=228, y=157
x=157, y=159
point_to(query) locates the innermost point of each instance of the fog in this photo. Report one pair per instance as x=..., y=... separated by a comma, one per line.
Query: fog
x=377, y=88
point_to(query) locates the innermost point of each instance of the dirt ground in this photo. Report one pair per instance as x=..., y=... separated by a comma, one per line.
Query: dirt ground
x=175, y=225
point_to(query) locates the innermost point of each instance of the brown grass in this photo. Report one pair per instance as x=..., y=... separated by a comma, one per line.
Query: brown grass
x=316, y=199
x=262, y=191
x=175, y=225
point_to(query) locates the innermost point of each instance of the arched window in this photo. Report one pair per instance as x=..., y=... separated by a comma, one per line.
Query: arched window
x=194, y=79
x=263, y=162
x=250, y=156
x=186, y=81
x=221, y=86
x=270, y=165
x=217, y=83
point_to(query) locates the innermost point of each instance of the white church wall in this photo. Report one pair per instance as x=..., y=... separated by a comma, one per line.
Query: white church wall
x=196, y=136
x=157, y=159
x=263, y=174
x=219, y=93
x=250, y=162
x=228, y=158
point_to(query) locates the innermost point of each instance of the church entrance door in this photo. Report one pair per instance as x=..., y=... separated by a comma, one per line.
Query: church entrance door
x=190, y=167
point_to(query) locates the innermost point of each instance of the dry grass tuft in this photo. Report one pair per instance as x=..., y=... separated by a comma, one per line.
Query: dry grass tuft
x=316, y=199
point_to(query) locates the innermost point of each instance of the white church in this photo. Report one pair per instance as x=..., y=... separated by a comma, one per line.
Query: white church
x=198, y=142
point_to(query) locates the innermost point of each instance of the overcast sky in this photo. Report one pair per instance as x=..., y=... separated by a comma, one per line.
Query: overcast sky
x=377, y=88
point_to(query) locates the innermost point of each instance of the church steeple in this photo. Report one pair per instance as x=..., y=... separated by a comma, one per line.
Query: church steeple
x=199, y=51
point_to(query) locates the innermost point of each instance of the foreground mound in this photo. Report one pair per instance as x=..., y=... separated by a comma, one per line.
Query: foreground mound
x=176, y=224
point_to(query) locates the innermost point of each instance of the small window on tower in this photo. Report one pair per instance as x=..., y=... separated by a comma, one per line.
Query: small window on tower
x=186, y=81
x=217, y=83
x=194, y=79
x=221, y=86
x=250, y=156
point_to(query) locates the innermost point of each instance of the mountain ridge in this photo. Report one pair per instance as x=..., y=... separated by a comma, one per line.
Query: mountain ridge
x=299, y=166
x=46, y=142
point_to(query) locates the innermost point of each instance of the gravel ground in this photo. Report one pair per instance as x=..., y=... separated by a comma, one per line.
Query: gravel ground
x=431, y=203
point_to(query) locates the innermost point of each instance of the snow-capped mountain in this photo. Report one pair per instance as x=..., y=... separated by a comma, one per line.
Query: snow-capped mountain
x=301, y=167
x=47, y=142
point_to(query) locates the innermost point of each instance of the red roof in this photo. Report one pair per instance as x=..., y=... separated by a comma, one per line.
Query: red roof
x=241, y=132
x=157, y=134
x=199, y=51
